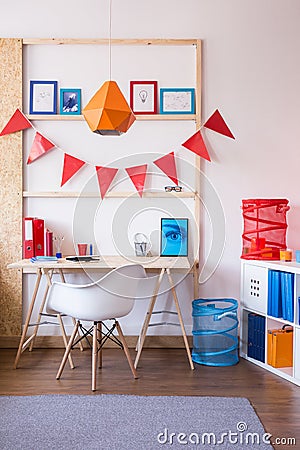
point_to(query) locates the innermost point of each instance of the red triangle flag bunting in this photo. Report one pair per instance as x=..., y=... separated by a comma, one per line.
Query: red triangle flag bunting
x=217, y=123
x=17, y=122
x=40, y=146
x=137, y=175
x=168, y=166
x=105, y=176
x=71, y=166
x=197, y=145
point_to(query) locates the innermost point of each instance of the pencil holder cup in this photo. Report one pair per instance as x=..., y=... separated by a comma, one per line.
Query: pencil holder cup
x=82, y=248
x=140, y=248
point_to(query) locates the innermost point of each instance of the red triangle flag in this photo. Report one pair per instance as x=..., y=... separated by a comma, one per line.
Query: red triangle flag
x=71, y=166
x=137, y=175
x=217, y=123
x=40, y=146
x=105, y=176
x=196, y=144
x=17, y=122
x=168, y=166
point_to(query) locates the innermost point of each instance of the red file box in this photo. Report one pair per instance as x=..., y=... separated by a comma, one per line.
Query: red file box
x=28, y=248
x=38, y=237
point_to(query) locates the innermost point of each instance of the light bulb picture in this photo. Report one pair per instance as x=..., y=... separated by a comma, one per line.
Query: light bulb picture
x=143, y=95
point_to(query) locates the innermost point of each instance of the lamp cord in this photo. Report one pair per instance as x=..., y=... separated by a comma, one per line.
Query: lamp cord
x=110, y=27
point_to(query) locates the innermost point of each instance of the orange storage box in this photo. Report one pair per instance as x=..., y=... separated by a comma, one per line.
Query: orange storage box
x=280, y=347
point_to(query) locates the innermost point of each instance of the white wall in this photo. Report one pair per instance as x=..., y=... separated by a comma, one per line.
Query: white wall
x=251, y=72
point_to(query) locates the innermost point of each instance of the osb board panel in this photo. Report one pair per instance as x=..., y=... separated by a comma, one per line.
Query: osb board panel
x=10, y=188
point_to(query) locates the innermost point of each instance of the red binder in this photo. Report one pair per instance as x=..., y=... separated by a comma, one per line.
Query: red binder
x=28, y=249
x=38, y=237
x=49, y=243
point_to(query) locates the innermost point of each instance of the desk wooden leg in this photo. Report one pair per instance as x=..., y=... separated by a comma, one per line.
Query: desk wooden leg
x=180, y=319
x=62, y=276
x=23, y=344
x=144, y=329
x=63, y=280
x=64, y=336
x=196, y=279
x=67, y=351
x=126, y=350
x=35, y=330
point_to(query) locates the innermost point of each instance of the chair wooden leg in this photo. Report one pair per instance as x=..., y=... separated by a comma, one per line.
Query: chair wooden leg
x=126, y=350
x=94, y=356
x=68, y=349
x=99, y=335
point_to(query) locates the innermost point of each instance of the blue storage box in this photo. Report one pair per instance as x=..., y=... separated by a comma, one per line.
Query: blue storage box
x=215, y=332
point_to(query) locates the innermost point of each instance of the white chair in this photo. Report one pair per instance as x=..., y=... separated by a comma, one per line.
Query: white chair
x=109, y=298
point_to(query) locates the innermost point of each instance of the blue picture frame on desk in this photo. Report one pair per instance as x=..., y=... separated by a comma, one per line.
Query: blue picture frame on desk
x=43, y=97
x=174, y=237
x=177, y=101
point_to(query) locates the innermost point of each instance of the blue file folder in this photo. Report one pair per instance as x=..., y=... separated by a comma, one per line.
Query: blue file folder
x=276, y=294
x=270, y=293
x=251, y=317
x=256, y=337
x=287, y=293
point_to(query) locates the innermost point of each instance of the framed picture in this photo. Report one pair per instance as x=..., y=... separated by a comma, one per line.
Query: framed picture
x=43, y=97
x=177, y=101
x=174, y=237
x=143, y=97
x=70, y=101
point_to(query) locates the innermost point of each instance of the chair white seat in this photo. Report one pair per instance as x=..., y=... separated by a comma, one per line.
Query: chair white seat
x=109, y=298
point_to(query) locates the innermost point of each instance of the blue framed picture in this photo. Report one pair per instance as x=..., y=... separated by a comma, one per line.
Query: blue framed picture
x=177, y=101
x=174, y=237
x=70, y=101
x=43, y=97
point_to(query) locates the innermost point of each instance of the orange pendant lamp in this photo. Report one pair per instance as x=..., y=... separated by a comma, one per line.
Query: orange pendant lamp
x=108, y=113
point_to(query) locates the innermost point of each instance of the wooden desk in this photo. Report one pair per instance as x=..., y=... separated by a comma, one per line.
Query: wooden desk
x=164, y=265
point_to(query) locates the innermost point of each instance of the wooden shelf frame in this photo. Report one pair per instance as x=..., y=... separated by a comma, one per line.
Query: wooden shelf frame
x=197, y=44
x=99, y=41
x=143, y=117
x=12, y=51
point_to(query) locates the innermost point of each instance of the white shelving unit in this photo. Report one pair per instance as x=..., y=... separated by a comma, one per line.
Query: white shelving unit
x=254, y=299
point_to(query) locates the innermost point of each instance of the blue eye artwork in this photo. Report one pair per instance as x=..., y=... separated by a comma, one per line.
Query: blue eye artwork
x=174, y=237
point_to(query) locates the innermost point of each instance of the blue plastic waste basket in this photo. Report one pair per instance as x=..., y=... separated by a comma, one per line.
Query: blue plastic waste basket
x=215, y=332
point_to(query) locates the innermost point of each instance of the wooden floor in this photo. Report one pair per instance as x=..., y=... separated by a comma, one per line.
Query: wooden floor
x=161, y=372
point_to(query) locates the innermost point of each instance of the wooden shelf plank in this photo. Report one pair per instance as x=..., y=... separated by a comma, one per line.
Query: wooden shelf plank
x=146, y=117
x=57, y=41
x=55, y=117
x=165, y=116
x=68, y=194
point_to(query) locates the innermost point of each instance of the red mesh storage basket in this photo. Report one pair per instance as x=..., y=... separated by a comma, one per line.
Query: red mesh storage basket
x=264, y=228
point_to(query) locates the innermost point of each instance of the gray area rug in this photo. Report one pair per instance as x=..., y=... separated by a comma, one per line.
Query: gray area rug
x=128, y=422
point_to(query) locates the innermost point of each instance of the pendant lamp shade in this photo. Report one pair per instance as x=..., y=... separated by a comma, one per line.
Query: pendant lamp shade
x=108, y=113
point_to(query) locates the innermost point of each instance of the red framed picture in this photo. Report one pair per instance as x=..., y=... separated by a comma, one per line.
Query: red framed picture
x=143, y=97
